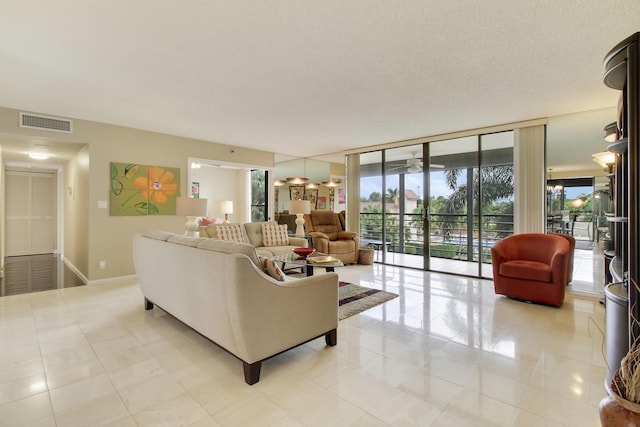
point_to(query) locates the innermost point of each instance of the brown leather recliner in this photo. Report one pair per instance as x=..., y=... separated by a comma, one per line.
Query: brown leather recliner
x=330, y=238
x=532, y=267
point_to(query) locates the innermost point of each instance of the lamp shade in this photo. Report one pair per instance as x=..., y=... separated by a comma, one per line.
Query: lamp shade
x=300, y=207
x=605, y=158
x=227, y=207
x=187, y=206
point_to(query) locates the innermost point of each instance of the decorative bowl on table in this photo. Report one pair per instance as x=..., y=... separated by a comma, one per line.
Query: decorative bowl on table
x=303, y=252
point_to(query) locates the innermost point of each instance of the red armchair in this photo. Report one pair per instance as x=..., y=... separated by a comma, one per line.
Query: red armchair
x=330, y=238
x=532, y=267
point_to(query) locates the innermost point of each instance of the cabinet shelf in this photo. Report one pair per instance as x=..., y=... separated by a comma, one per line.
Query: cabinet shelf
x=619, y=147
x=617, y=219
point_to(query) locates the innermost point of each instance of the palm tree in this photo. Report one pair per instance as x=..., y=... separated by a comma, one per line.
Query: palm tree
x=392, y=195
x=497, y=183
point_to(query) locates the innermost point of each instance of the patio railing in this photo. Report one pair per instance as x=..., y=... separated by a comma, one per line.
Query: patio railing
x=453, y=236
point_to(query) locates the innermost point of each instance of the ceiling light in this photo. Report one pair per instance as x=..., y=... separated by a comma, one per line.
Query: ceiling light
x=39, y=152
x=297, y=180
x=331, y=183
x=278, y=182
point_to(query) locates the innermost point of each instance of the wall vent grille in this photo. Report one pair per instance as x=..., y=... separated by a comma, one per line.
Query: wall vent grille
x=55, y=124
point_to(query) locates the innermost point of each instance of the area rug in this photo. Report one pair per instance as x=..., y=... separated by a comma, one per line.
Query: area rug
x=354, y=299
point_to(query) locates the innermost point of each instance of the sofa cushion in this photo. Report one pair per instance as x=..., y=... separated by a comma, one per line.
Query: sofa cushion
x=232, y=232
x=186, y=240
x=272, y=269
x=159, y=235
x=229, y=247
x=529, y=270
x=254, y=232
x=274, y=234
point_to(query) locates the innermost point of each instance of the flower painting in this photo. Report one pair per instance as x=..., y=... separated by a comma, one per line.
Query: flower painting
x=143, y=190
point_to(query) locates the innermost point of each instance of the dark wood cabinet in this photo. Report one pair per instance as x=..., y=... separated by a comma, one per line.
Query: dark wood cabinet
x=622, y=74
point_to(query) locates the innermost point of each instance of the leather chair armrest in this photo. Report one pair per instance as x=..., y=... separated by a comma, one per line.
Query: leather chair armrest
x=346, y=235
x=319, y=234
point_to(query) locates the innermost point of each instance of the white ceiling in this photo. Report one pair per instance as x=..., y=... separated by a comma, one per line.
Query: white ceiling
x=309, y=78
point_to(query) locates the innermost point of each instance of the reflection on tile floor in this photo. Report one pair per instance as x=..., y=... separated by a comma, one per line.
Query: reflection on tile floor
x=447, y=352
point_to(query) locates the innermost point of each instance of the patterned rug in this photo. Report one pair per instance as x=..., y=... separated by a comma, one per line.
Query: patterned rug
x=354, y=299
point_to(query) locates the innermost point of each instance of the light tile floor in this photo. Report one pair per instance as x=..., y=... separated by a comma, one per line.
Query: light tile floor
x=447, y=352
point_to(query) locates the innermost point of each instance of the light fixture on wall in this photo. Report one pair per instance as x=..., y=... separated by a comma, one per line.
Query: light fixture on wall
x=611, y=133
x=227, y=209
x=192, y=209
x=606, y=159
x=300, y=208
x=39, y=152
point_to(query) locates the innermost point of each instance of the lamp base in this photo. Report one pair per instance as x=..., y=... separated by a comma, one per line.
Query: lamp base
x=299, y=225
x=191, y=227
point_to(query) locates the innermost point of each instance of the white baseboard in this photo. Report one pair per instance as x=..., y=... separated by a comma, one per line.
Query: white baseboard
x=75, y=270
x=130, y=278
x=86, y=281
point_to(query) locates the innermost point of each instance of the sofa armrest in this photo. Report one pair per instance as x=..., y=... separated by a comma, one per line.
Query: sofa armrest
x=268, y=316
x=299, y=241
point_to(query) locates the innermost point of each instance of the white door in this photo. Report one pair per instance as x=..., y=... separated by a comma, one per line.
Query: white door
x=30, y=206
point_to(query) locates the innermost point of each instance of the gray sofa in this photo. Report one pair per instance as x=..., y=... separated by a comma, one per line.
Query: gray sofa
x=253, y=235
x=219, y=289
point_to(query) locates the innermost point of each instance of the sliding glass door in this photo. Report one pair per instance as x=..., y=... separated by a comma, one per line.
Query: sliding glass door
x=467, y=184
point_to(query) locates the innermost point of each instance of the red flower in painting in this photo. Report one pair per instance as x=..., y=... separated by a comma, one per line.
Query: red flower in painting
x=157, y=185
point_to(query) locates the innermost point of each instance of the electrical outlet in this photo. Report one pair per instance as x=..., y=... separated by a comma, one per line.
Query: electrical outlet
x=102, y=265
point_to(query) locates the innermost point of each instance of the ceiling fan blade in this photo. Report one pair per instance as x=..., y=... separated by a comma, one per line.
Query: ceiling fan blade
x=435, y=166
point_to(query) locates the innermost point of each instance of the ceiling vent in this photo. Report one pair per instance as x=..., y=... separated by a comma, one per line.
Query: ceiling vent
x=55, y=124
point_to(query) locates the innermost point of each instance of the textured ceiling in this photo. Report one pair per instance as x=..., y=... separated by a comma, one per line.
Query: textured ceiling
x=306, y=78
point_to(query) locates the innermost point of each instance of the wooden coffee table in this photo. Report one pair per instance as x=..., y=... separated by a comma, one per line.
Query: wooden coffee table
x=292, y=261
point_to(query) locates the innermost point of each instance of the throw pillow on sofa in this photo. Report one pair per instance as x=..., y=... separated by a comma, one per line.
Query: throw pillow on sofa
x=232, y=232
x=272, y=269
x=274, y=234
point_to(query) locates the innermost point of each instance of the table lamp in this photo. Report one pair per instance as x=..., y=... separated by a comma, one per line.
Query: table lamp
x=227, y=208
x=192, y=209
x=300, y=208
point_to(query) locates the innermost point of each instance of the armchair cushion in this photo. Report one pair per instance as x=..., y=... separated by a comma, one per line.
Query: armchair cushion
x=530, y=270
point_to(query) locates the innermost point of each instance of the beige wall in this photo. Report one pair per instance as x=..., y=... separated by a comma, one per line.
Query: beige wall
x=219, y=184
x=76, y=211
x=109, y=238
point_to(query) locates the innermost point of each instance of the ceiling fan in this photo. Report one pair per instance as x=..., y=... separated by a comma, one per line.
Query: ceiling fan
x=414, y=165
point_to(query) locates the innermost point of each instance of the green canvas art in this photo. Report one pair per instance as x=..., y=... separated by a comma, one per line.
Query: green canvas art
x=143, y=190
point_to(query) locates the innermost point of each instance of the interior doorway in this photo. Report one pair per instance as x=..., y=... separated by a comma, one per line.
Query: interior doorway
x=577, y=206
x=30, y=212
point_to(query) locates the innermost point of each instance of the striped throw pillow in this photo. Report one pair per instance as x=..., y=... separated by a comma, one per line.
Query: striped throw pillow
x=274, y=234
